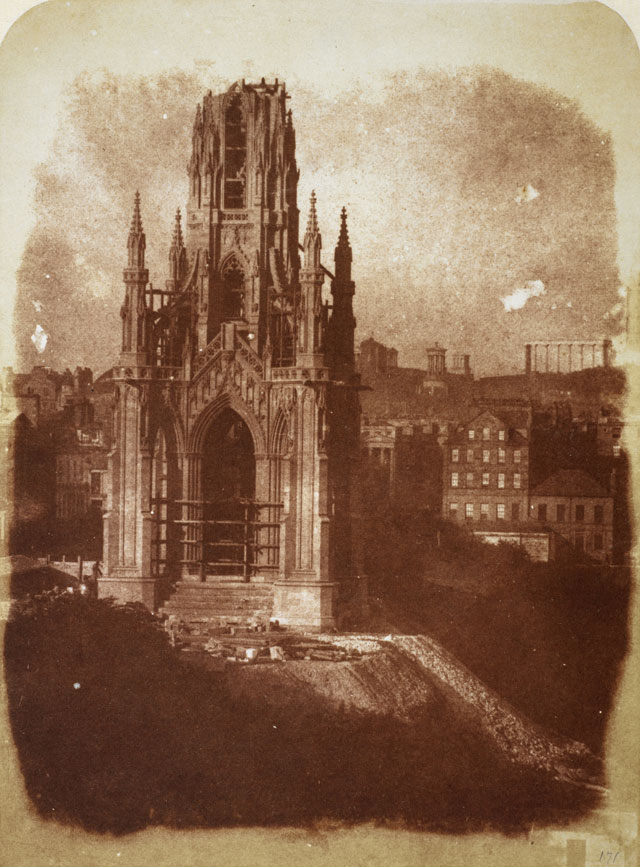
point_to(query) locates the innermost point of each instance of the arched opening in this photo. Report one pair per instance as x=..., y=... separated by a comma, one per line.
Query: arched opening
x=233, y=281
x=228, y=497
x=235, y=156
x=282, y=337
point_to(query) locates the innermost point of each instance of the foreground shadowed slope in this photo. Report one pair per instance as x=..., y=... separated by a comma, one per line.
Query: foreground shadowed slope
x=548, y=637
x=115, y=732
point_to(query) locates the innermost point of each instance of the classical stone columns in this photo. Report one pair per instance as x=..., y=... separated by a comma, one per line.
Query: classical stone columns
x=566, y=356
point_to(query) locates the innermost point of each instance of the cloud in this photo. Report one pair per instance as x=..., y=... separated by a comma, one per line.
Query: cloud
x=526, y=194
x=520, y=296
x=39, y=338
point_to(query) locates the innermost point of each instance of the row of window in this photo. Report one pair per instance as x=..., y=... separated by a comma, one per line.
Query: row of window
x=468, y=478
x=486, y=456
x=562, y=513
x=485, y=512
x=485, y=434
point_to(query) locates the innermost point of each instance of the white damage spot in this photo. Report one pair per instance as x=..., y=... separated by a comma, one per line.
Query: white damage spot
x=76, y=686
x=526, y=194
x=614, y=312
x=37, y=305
x=39, y=338
x=520, y=296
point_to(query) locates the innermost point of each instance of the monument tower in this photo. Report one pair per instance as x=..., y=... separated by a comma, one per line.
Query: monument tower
x=234, y=471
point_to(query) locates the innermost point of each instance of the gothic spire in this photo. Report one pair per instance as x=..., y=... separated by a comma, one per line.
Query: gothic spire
x=343, y=238
x=177, y=255
x=137, y=242
x=343, y=322
x=312, y=242
x=135, y=280
x=136, y=220
x=312, y=222
x=343, y=253
x=177, y=240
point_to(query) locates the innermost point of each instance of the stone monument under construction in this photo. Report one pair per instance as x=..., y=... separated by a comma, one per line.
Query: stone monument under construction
x=234, y=475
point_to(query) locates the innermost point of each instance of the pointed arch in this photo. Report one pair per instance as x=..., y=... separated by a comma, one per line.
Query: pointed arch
x=231, y=401
x=280, y=435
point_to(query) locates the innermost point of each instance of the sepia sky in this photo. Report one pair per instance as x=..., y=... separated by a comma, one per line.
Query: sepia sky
x=68, y=173
x=486, y=154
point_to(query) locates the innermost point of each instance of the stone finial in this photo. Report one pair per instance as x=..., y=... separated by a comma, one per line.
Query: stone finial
x=177, y=240
x=136, y=220
x=312, y=222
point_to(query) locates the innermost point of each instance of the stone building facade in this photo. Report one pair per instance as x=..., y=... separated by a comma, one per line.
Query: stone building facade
x=577, y=508
x=486, y=471
x=236, y=397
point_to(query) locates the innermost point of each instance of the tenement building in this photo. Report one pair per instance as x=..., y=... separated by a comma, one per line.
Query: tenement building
x=236, y=398
x=486, y=471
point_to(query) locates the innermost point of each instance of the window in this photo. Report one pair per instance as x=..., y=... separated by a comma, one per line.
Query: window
x=486, y=456
x=468, y=511
x=616, y=450
x=516, y=480
x=96, y=482
x=469, y=480
x=500, y=511
x=235, y=155
x=502, y=435
x=501, y=480
x=469, y=456
x=560, y=513
x=484, y=511
x=517, y=456
x=515, y=511
x=454, y=480
x=485, y=480
x=598, y=542
x=453, y=510
x=579, y=513
x=598, y=514
x=486, y=433
x=542, y=511
x=455, y=455
x=472, y=434
x=502, y=456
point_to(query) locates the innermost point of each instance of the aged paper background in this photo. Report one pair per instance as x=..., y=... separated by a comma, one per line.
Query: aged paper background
x=337, y=42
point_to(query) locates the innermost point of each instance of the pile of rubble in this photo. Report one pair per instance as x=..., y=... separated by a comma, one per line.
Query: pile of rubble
x=264, y=645
x=251, y=647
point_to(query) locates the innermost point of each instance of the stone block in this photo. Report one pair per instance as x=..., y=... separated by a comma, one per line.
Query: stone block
x=305, y=604
x=143, y=590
